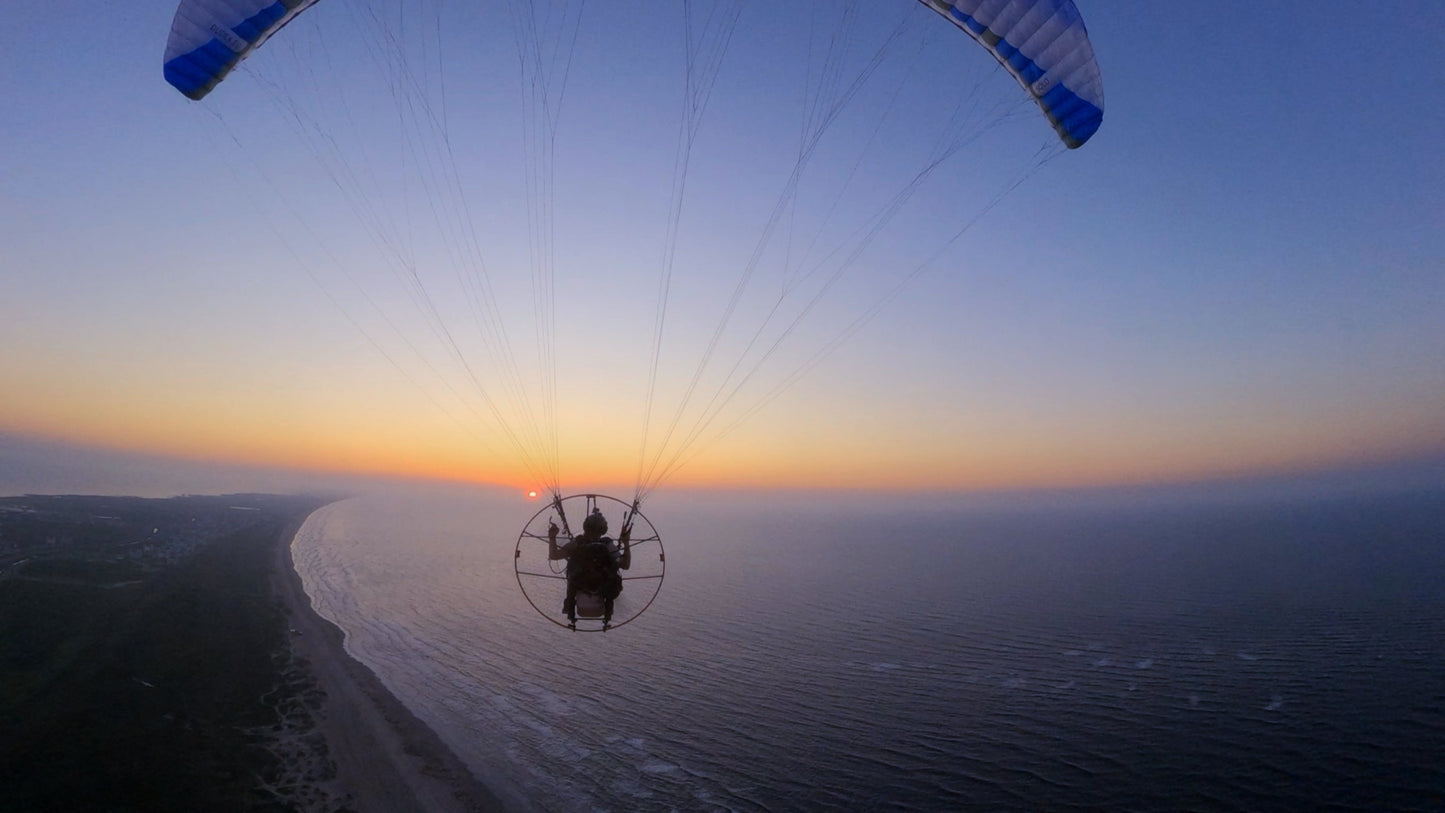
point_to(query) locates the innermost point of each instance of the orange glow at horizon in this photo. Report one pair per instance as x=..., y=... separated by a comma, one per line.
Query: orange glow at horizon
x=328, y=428
x=1007, y=467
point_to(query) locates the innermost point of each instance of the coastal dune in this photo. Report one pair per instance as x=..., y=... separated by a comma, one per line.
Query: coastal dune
x=164, y=655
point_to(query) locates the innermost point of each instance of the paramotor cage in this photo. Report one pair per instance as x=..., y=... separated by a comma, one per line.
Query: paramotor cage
x=543, y=580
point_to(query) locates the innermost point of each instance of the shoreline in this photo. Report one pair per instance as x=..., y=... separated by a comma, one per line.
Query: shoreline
x=376, y=754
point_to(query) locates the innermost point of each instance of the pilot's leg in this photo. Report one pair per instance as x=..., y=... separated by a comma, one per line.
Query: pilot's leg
x=612, y=591
x=569, y=604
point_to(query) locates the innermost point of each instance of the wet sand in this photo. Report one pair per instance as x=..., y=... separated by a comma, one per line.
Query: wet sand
x=372, y=754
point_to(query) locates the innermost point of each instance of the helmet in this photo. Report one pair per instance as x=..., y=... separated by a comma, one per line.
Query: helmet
x=595, y=524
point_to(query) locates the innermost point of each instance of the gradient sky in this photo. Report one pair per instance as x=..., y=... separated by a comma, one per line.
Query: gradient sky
x=1243, y=272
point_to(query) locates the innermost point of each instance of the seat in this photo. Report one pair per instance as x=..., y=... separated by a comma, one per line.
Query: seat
x=590, y=605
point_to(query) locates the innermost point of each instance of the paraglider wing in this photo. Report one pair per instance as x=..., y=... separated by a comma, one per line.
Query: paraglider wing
x=1044, y=44
x=208, y=38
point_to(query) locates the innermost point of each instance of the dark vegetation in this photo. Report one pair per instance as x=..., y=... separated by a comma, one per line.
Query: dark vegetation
x=143, y=652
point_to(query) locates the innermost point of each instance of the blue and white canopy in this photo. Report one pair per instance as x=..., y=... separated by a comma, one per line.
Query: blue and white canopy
x=1044, y=44
x=208, y=38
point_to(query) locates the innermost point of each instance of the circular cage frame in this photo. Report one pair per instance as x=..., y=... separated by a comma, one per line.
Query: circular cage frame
x=644, y=535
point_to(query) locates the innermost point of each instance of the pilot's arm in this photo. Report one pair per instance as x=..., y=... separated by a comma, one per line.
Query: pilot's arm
x=554, y=552
x=626, y=539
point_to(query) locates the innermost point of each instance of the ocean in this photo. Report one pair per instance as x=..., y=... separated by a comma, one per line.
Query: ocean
x=1234, y=655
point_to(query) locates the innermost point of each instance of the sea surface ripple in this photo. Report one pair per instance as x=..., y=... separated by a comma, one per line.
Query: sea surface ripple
x=1267, y=657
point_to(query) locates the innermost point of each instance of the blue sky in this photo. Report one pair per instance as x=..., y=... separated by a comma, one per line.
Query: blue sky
x=1244, y=271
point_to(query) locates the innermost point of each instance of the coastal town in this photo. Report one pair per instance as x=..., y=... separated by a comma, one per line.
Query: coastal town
x=96, y=536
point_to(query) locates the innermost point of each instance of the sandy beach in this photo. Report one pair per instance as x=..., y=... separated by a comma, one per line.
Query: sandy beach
x=372, y=754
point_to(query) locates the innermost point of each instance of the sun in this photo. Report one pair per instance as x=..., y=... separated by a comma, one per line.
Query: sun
x=531, y=495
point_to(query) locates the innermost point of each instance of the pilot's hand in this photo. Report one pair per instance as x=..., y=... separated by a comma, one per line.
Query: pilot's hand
x=552, y=531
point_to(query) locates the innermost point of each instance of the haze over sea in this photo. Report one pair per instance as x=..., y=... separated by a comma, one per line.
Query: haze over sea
x=1256, y=654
